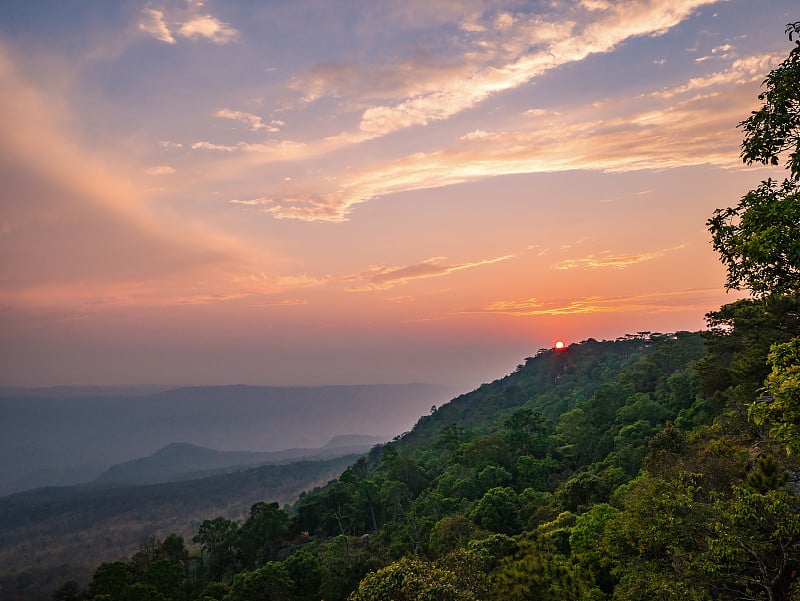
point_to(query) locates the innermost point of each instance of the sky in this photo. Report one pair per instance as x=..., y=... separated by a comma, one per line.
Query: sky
x=329, y=192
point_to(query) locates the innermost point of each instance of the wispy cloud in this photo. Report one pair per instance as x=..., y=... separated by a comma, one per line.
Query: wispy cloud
x=117, y=249
x=253, y=122
x=160, y=170
x=617, y=135
x=169, y=146
x=616, y=138
x=155, y=25
x=383, y=277
x=616, y=23
x=657, y=302
x=741, y=71
x=188, y=24
x=204, y=145
x=608, y=260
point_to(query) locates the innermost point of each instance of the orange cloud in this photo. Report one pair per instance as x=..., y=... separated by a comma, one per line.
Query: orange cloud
x=657, y=302
x=382, y=277
x=696, y=131
x=607, y=260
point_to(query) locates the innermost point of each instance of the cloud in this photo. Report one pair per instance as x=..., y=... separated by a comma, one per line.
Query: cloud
x=434, y=89
x=210, y=28
x=419, y=73
x=690, y=124
x=194, y=26
x=168, y=145
x=204, y=145
x=722, y=51
x=383, y=277
x=160, y=170
x=253, y=122
x=79, y=229
x=254, y=202
x=741, y=71
x=620, y=22
x=656, y=302
x=156, y=26
x=596, y=4
x=607, y=260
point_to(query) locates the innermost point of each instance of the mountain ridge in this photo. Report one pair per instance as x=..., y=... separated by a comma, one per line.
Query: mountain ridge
x=180, y=461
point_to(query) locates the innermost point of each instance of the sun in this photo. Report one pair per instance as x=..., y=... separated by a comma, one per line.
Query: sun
x=559, y=345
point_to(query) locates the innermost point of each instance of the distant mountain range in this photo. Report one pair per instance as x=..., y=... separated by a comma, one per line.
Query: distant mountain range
x=65, y=435
x=183, y=461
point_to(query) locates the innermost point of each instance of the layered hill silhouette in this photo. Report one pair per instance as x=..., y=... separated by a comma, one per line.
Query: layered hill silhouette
x=62, y=436
x=184, y=461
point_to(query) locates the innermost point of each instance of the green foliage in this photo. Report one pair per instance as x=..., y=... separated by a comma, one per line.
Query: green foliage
x=766, y=475
x=755, y=546
x=538, y=573
x=305, y=572
x=271, y=582
x=450, y=533
x=738, y=341
x=262, y=534
x=775, y=127
x=411, y=579
x=757, y=239
x=498, y=510
x=215, y=591
x=218, y=538
x=111, y=578
x=780, y=408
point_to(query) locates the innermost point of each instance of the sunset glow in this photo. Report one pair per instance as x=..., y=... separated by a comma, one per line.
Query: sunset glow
x=356, y=192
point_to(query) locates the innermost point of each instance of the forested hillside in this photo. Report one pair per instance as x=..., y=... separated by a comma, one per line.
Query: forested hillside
x=655, y=467
x=49, y=535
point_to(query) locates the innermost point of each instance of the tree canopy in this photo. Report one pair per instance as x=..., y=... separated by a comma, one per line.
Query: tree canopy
x=757, y=239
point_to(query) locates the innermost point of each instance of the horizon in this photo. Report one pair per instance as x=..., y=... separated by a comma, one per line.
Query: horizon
x=311, y=194
x=156, y=388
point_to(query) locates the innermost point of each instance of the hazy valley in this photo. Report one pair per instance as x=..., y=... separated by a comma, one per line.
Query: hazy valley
x=65, y=436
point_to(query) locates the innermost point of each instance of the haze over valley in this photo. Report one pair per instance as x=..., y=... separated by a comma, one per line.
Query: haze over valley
x=64, y=436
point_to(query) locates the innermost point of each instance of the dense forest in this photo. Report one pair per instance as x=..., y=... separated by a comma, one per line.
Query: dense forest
x=53, y=534
x=656, y=466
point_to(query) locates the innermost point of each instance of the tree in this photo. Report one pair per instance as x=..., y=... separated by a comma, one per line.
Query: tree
x=263, y=532
x=305, y=571
x=775, y=127
x=780, y=409
x=756, y=239
x=755, y=547
x=450, y=533
x=539, y=573
x=111, y=578
x=218, y=538
x=411, y=580
x=271, y=582
x=498, y=511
